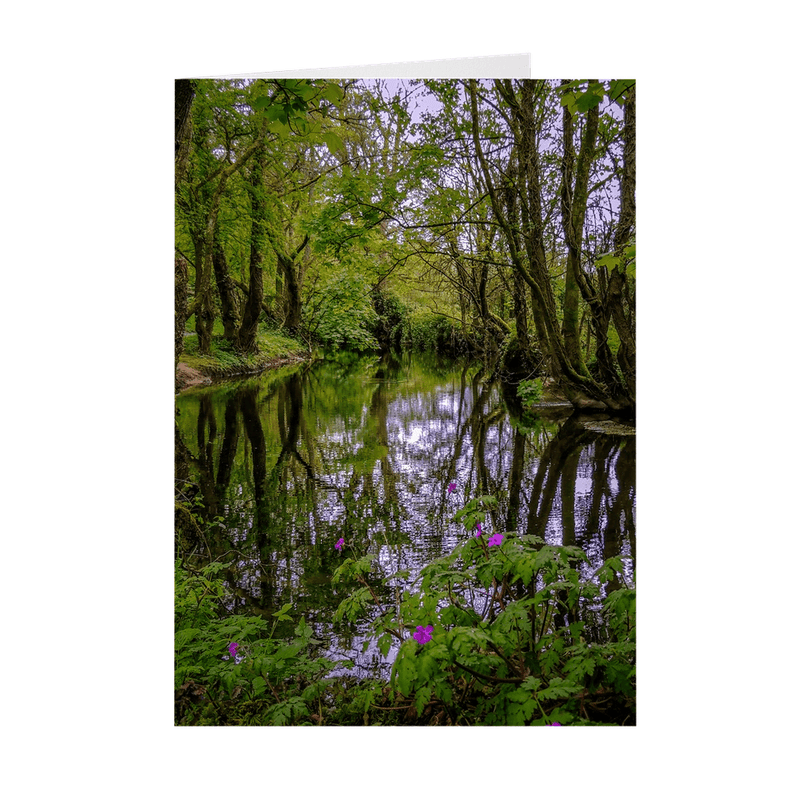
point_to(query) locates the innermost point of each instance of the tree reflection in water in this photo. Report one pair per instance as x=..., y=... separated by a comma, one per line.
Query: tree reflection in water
x=364, y=449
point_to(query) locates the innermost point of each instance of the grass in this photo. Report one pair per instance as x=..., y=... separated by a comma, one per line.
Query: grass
x=272, y=346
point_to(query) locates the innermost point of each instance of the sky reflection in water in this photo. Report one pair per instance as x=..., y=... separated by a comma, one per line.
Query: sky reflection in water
x=364, y=450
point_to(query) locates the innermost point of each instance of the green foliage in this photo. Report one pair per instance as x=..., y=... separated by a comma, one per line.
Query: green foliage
x=342, y=315
x=523, y=633
x=391, y=314
x=349, y=181
x=627, y=261
x=425, y=330
x=582, y=95
x=530, y=391
x=521, y=636
x=270, y=681
x=224, y=359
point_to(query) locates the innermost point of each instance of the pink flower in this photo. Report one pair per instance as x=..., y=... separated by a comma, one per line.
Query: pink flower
x=496, y=539
x=554, y=723
x=451, y=488
x=232, y=648
x=480, y=530
x=339, y=544
x=423, y=634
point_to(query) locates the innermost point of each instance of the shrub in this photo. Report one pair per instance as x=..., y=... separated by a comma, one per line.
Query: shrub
x=391, y=314
x=229, y=668
x=508, y=632
x=343, y=316
x=425, y=330
x=530, y=391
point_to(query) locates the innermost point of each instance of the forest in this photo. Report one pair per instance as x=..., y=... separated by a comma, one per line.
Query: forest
x=488, y=218
x=413, y=503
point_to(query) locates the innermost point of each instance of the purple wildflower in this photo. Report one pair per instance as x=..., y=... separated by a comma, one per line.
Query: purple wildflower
x=423, y=634
x=451, y=488
x=479, y=529
x=232, y=648
x=554, y=723
x=496, y=539
x=339, y=544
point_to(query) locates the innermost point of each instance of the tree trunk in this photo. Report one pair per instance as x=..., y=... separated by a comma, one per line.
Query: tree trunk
x=204, y=242
x=292, y=305
x=532, y=264
x=181, y=306
x=204, y=302
x=625, y=323
x=248, y=331
x=227, y=292
x=292, y=285
x=574, y=200
x=184, y=95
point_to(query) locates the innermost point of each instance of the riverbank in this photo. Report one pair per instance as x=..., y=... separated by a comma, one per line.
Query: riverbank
x=188, y=376
x=195, y=369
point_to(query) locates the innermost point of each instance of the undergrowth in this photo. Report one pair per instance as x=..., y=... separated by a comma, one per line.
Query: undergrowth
x=503, y=630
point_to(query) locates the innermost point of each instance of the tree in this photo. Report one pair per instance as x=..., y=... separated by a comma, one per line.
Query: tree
x=184, y=95
x=525, y=234
x=508, y=210
x=236, y=121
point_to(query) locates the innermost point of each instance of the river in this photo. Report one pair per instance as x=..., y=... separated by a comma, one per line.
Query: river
x=366, y=449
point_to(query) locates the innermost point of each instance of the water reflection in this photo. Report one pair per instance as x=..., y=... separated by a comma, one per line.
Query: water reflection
x=365, y=449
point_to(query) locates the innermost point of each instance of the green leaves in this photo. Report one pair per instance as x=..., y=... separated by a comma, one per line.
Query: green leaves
x=333, y=93
x=558, y=689
x=405, y=667
x=630, y=265
x=618, y=90
x=578, y=99
x=183, y=637
x=350, y=568
x=286, y=711
x=628, y=261
x=475, y=511
x=530, y=391
x=524, y=662
x=353, y=607
x=281, y=614
x=203, y=632
x=609, y=261
x=335, y=144
x=345, y=312
x=589, y=99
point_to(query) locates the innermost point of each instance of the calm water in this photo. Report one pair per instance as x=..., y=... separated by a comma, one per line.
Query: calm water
x=364, y=448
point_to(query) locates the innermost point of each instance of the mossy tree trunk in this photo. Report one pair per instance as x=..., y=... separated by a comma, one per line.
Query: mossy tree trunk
x=574, y=200
x=184, y=96
x=292, y=285
x=524, y=237
x=204, y=298
x=226, y=289
x=248, y=330
x=181, y=305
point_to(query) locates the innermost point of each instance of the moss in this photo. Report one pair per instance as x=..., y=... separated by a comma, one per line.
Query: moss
x=274, y=349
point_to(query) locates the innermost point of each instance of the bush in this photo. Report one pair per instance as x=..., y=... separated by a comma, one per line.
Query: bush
x=504, y=630
x=530, y=391
x=343, y=316
x=508, y=632
x=391, y=314
x=230, y=670
x=425, y=330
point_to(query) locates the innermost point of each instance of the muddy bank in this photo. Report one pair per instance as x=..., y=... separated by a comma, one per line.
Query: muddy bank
x=187, y=377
